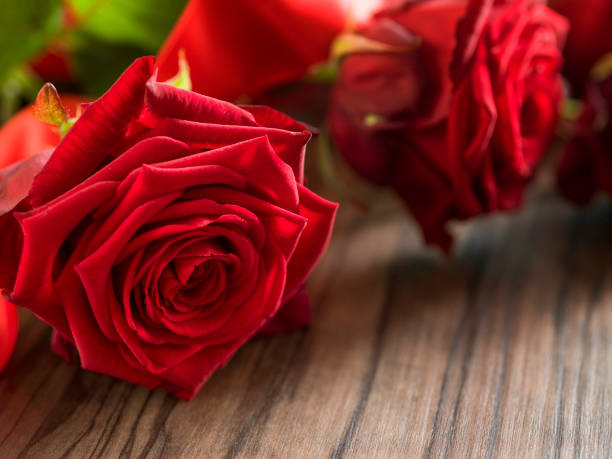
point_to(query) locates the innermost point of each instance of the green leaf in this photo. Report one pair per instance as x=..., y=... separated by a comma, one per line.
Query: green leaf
x=110, y=34
x=138, y=23
x=48, y=108
x=20, y=85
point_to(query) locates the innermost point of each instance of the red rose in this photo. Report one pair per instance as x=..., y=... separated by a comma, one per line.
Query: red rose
x=165, y=230
x=256, y=45
x=54, y=64
x=456, y=114
x=586, y=165
x=9, y=326
x=589, y=36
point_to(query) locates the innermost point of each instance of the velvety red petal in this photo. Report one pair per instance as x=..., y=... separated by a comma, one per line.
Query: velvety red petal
x=9, y=325
x=244, y=48
x=90, y=140
x=16, y=180
x=185, y=379
x=364, y=150
x=320, y=216
x=44, y=231
x=95, y=269
x=426, y=190
x=62, y=346
x=255, y=160
x=10, y=249
x=293, y=314
x=164, y=100
x=96, y=352
x=289, y=146
x=469, y=32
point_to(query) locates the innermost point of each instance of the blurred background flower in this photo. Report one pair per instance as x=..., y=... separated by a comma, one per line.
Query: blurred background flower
x=589, y=36
x=456, y=106
x=586, y=165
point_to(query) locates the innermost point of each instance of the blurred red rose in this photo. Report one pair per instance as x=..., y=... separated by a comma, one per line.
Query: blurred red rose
x=589, y=36
x=9, y=326
x=244, y=48
x=54, y=64
x=458, y=112
x=586, y=165
x=165, y=230
x=24, y=136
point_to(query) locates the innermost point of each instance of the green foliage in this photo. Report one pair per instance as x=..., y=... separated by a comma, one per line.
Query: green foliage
x=98, y=63
x=102, y=36
x=137, y=23
x=112, y=33
x=25, y=27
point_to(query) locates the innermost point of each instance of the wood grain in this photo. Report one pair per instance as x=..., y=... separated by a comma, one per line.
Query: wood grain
x=503, y=350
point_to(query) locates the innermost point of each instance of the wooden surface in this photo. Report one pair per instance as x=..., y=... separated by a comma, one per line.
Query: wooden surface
x=503, y=350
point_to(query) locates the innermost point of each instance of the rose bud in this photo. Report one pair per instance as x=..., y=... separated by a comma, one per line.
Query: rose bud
x=452, y=104
x=165, y=230
x=586, y=164
x=588, y=39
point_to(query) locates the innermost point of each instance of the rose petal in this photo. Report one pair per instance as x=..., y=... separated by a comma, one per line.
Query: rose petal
x=94, y=134
x=9, y=325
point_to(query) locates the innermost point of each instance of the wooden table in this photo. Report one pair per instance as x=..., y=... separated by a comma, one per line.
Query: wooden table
x=503, y=350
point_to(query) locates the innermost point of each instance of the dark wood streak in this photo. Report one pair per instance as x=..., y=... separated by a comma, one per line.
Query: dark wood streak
x=129, y=446
x=35, y=350
x=559, y=320
x=467, y=358
x=478, y=258
x=158, y=426
x=74, y=395
x=594, y=301
x=90, y=427
x=110, y=426
x=368, y=379
x=517, y=278
x=272, y=392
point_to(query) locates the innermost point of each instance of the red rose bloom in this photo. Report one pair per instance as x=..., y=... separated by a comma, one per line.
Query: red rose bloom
x=458, y=112
x=589, y=36
x=586, y=165
x=165, y=230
